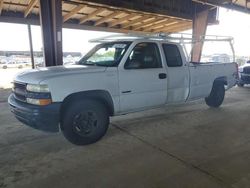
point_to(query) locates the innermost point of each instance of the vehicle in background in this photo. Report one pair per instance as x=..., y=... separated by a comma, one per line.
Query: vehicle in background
x=25, y=63
x=39, y=63
x=118, y=76
x=244, y=74
x=13, y=64
x=221, y=58
x=68, y=60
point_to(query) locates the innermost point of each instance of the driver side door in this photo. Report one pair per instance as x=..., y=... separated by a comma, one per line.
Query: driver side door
x=143, y=79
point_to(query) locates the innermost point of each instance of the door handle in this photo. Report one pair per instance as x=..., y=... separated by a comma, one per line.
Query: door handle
x=126, y=91
x=162, y=75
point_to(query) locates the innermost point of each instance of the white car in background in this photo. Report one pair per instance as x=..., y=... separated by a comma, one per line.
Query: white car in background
x=14, y=64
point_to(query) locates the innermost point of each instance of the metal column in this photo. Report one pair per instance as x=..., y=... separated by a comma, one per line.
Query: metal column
x=200, y=23
x=51, y=25
x=31, y=47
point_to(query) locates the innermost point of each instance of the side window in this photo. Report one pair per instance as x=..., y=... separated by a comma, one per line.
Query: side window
x=172, y=54
x=144, y=56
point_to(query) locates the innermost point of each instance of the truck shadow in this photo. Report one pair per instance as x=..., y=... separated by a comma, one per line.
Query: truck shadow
x=247, y=87
x=4, y=94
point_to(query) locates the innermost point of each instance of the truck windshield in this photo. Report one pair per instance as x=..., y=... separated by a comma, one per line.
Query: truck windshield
x=105, y=54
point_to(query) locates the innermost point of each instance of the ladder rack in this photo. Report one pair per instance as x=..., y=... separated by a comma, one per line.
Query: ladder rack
x=164, y=37
x=181, y=38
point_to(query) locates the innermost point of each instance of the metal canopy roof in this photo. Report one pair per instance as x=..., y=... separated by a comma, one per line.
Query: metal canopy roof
x=120, y=15
x=239, y=5
x=96, y=16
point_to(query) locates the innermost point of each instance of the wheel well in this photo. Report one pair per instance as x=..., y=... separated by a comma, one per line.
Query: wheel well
x=100, y=95
x=221, y=80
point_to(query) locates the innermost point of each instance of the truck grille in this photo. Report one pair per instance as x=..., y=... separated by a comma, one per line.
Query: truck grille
x=246, y=70
x=245, y=78
x=19, y=91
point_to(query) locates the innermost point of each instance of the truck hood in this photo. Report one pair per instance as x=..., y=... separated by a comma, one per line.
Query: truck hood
x=35, y=76
x=245, y=65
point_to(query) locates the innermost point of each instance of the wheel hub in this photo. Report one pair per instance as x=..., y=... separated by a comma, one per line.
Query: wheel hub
x=85, y=123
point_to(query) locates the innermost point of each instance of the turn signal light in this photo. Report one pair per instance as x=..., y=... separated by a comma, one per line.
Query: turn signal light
x=41, y=102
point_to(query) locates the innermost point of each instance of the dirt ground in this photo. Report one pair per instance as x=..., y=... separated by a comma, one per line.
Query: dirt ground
x=189, y=146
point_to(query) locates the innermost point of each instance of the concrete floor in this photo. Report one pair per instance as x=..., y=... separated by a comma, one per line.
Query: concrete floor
x=189, y=146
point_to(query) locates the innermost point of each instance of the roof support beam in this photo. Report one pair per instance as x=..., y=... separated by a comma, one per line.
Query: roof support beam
x=176, y=26
x=73, y=12
x=181, y=27
x=121, y=20
x=91, y=15
x=31, y=5
x=199, y=29
x=107, y=18
x=51, y=25
x=147, y=23
x=155, y=26
x=164, y=26
x=135, y=21
x=31, y=47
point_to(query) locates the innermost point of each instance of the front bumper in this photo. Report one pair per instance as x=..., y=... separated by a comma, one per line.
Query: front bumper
x=45, y=118
x=244, y=78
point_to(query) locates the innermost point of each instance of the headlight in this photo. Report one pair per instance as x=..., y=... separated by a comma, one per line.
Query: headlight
x=37, y=88
x=38, y=94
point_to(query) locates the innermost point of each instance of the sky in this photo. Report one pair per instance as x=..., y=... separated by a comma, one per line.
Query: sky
x=237, y=25
x=231, y=23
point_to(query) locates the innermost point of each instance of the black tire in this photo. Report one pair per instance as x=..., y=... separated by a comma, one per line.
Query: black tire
x=216, y=97
x=20, y=66
x=85, y=122
x=240, y=85
x=5, y=67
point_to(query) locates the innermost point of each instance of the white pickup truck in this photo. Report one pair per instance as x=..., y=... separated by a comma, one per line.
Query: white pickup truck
x=116, y=77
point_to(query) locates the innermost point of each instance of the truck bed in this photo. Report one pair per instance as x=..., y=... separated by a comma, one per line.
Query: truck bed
x=202, y=76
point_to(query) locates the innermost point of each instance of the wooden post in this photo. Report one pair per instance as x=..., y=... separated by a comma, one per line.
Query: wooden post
x=200, y=23
x=51, y=25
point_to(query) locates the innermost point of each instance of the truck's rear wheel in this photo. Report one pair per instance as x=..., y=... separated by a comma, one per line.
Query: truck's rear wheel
x=85, y=122
x=240, y=85
x=216, y=97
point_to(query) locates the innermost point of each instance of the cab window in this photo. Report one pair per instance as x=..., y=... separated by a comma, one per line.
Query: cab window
x=172, y=54
x=105, y=54
x=145, y=55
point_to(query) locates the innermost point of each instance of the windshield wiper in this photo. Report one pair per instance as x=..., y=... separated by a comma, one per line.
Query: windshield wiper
x=91, y=63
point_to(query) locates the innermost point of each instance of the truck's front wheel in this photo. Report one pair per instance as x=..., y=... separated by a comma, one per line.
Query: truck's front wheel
x=216, y=97
x=85, y=122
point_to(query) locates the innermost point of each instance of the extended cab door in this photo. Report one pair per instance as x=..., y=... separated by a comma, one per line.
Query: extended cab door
x=142, y=78
x=178, y=73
